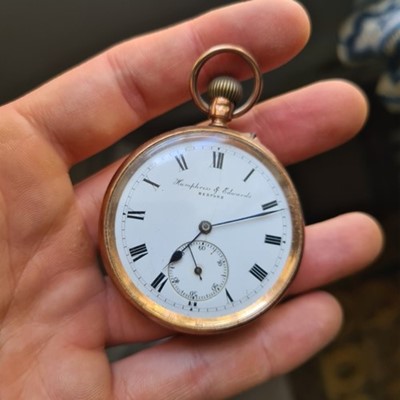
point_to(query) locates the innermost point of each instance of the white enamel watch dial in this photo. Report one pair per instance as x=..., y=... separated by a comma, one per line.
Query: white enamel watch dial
x=201, y=228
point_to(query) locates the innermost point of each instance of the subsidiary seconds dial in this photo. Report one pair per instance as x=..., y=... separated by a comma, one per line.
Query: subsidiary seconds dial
x=201, y=273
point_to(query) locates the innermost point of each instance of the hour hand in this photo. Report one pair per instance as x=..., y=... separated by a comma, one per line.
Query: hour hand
x=176, y=256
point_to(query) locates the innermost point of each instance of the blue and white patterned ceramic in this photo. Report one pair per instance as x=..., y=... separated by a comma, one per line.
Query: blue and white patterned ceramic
x=373, y=31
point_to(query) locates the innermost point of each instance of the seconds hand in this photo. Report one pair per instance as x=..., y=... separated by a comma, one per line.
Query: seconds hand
x=198, y=269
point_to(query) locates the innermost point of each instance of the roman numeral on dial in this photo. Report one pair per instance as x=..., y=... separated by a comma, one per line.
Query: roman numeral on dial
x=156, y=185
x=182, y=162
x=138, y=252
x=136, y=214
x=248, y=175
x=269, y=205
x=228, y=296
x=192, y=304
x=270, y=239
x=159, y=282
x=258, y=272
x=218, y=159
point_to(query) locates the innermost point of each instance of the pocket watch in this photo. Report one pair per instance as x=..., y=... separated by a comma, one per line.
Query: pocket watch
x=201, y=228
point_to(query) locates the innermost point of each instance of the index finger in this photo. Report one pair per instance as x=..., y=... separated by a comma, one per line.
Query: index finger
x=95, y=104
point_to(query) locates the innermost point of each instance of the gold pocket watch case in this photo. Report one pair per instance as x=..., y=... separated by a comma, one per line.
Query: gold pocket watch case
x=201, y=228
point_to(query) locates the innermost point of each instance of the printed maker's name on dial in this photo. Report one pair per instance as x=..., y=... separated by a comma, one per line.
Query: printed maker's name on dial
x=217, y=191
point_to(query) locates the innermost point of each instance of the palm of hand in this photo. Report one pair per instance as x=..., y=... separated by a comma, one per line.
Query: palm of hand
x=52, y=295
x=57, y=312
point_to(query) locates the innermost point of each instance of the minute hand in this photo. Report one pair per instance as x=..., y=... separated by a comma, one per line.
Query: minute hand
x=248, y=217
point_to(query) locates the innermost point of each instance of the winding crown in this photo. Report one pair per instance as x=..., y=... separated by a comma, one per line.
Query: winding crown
x=227, y=87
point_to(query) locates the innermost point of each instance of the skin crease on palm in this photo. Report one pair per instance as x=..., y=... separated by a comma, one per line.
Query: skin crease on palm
x=57, y=312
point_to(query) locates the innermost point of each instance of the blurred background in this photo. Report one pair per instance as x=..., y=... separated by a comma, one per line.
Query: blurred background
x=43, y=38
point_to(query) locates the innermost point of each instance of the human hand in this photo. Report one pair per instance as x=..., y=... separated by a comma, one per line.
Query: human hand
x=58, y=313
